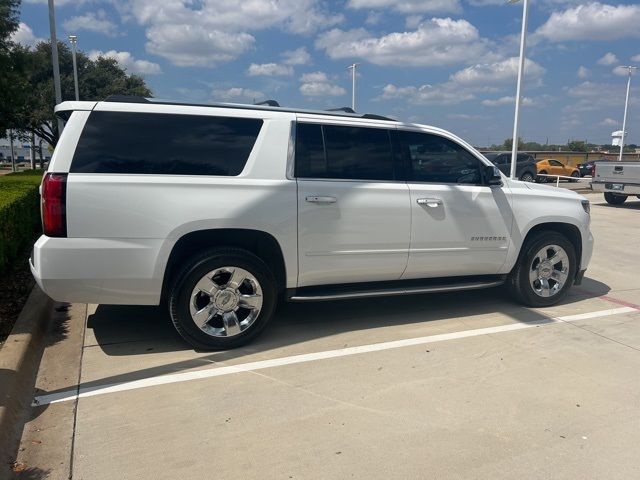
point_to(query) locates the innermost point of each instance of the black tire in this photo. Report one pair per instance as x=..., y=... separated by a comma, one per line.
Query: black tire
x=614, y=198
x=196, y=268
x=575, y=176
x=542, y=179
x=528, y=177
x=518, y=281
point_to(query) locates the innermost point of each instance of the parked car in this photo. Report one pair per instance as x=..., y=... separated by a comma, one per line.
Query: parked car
x=525, y=166
x=218, y=211
x=617, y=180
x=586, y=169
x=556, y=167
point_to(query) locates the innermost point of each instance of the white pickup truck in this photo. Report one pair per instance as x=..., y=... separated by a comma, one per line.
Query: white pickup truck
x=618, y=181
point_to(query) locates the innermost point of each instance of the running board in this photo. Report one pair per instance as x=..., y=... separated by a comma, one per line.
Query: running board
x=341, y=292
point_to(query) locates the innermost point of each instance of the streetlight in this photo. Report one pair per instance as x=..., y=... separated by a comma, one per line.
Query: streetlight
x=523, y=39
x=631, y=68
x=74, y=40
x=54, y=59
x=353, y=85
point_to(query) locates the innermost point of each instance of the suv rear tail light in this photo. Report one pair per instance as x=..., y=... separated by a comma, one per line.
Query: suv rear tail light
x=54, y=205
x=593, y=171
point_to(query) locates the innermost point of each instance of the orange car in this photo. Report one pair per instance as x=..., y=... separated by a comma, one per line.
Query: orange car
x=551, y=166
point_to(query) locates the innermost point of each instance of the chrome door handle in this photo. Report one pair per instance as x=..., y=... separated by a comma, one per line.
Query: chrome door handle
x=320, y=199
x=430, y=202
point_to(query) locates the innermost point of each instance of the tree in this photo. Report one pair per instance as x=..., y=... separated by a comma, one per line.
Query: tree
x=577, y=146
x=96, y=80
x=10, y=77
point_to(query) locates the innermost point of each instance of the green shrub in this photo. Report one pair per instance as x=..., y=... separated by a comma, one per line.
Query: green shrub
x=19, y=213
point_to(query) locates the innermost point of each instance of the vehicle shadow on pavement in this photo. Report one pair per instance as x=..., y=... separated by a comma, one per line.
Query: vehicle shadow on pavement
x=628, y=205
x=135, y=330
x=130, y=330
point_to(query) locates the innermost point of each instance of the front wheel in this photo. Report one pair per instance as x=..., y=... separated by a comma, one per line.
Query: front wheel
x=545, y=270
x=542, y=179
x=527, y=177
x=222, y=299
x=614, y=199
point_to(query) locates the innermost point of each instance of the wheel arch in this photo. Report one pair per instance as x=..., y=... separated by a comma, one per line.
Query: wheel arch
x=569, y=230
x=260, y=243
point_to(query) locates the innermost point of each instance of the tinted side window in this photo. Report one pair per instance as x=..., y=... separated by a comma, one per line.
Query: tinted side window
x=351, y=153
x=436, y=159
x=310, y=159
x=149, y=143
x=555, y=163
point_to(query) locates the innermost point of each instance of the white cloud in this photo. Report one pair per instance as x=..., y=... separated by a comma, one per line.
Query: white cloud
x=413, y=21
x=92, y=22
x=463, y=116
x=592, y=21
x=525, y=102
x=609, y=122
x=373, y=18
x=409, y=6
x=608, y=59
x=237, y=93
x=314, y=77
x=591, y=96
x=436, y=42
x=269, y=69
x=636, y=58
x=299, y=56
x=317, y=84
x=620, y=71
x=501, y=72
x=128, y=62
x=25, y=36
x=583, y=72
x=208, y=32
x=187, y=46
x=443, y=94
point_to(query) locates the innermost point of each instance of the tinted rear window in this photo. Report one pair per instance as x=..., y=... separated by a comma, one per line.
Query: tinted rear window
x=341, y=152
x=144, y=143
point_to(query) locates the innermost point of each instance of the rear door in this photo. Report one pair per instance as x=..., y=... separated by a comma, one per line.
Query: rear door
x=353, y=215
x=459, y=225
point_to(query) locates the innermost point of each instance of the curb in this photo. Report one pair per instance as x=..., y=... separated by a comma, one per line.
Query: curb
x=19, y=361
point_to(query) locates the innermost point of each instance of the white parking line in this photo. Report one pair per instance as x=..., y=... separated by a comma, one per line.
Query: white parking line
x=89, y=391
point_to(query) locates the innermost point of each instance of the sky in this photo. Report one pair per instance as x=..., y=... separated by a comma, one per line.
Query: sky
x=448, y=63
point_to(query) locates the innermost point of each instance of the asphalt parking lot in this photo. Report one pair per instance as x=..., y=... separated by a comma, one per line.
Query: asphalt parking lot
x=458, y=385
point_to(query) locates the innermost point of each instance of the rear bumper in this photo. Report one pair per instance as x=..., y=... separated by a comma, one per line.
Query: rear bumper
x=82, y=270
x=629, y=188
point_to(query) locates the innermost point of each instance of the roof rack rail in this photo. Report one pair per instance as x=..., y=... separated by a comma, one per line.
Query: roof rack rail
x=268, y=103
x=126, y=99
x=341, y=109
x=373, y=116
x=343, y=112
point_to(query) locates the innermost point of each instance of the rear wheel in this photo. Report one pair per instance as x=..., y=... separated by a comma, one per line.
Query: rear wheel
x=614, y=198
x=527, y=177
x=575, y=176
x=545, y=270
x=223, y=298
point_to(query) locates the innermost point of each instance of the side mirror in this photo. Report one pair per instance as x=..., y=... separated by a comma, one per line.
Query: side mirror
x=492, y=175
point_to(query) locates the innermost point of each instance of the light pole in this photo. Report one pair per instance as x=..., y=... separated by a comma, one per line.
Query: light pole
x=631, y=68
x=54, y=59
x=523, y=39
x=353, y=85
x=74, y=40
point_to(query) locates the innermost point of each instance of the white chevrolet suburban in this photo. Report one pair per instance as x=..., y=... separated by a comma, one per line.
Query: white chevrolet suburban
x=217, y=211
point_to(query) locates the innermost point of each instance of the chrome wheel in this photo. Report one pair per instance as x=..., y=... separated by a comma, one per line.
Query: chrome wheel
x=549, y=270
x=226, y=301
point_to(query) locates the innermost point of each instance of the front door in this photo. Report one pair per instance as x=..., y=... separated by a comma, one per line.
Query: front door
x=459, y=226
x=353, y=217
